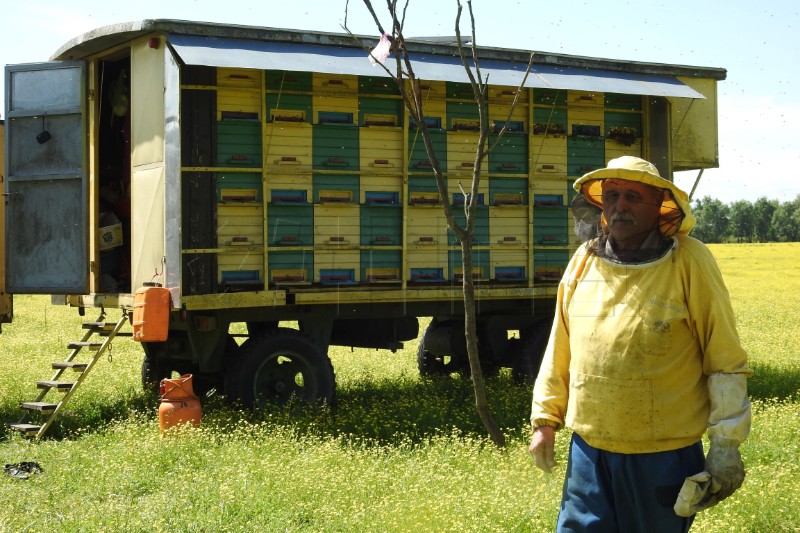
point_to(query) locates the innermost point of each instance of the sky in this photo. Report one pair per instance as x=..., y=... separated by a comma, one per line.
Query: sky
x=757, y=42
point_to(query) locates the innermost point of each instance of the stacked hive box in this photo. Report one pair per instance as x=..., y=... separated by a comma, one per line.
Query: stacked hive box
x=320, y=178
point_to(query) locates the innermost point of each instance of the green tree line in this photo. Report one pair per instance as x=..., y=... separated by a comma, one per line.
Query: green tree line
x=743, y=221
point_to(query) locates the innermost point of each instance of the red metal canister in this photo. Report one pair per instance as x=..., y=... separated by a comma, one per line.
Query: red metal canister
x=179, y=405
x=151, y=305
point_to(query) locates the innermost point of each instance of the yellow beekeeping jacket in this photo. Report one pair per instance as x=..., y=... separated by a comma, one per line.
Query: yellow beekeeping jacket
x=631, y=348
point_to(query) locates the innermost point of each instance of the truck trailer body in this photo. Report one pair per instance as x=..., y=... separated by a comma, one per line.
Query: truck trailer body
x=268, y=176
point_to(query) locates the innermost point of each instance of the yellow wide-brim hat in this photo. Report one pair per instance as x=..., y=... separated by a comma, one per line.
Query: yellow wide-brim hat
x=676, y=213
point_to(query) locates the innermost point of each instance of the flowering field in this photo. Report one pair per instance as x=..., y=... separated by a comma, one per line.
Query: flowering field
x=399, y=453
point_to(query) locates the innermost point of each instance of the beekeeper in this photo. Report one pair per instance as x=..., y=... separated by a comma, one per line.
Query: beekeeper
x=643, y=359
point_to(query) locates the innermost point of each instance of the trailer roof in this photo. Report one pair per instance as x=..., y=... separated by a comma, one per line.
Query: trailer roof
x=222, y=45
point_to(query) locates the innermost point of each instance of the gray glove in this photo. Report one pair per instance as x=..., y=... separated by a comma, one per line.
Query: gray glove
x=724, y=474
x=724, y=463
x=729, y=424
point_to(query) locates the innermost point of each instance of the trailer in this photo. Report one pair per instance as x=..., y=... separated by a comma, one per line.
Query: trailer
x=270, y=181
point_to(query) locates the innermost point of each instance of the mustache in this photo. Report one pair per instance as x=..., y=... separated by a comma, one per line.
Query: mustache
x=621, y=217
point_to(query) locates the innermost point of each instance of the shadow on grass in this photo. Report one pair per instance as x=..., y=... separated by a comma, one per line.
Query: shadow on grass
x=88, y=415
x=407, y=410
x=387, y=411
x=770, y=382
x=380, y=411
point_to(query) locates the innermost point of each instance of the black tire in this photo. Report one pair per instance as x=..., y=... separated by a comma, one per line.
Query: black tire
x=436, y=365
x=155, y=368
x=150, y=375
x=532, y=346
x=490, y=366
x=280, y=367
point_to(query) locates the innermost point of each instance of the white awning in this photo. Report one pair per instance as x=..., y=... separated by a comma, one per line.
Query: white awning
x=239, y=53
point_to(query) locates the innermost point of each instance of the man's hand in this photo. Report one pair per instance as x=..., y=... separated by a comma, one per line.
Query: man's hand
x=542, y=448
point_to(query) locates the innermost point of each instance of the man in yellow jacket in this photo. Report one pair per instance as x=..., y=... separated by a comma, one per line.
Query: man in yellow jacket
x=643, y=359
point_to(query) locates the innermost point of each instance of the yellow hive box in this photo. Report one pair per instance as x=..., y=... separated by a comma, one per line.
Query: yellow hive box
x=382, y=275
x=338, y=267
x=287, y=147
x=238, y=103
x=616, y=149
x=461, y=152
x=336, y=226
x=343, y=105
x=426, y=266
x=585, y=99
x=432, y=94
x=381, y=149
x=247, y=267
x=239, y=77
x=586, y=122
x=550, y=188
x=508, y=226
x=548, y=155
x=299, y=184
x=335, y=83
x=240, y=225
x=506, y=95
x=499, y=114
x=477, y=273
x=427, y=228
x=381, y=184
x=505, y=261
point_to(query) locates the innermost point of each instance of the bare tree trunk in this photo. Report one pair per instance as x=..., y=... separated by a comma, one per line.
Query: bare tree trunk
x=413, y=103
x=478, y=385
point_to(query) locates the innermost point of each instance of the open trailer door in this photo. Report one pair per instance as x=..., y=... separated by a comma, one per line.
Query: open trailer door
x=6, y=304
x=46, y=198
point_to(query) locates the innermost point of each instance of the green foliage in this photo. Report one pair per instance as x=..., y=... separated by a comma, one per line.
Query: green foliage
x=742, y=221
x=398, y=453
x=713, y=219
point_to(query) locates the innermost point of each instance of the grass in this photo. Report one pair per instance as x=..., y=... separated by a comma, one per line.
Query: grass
x=399, y=453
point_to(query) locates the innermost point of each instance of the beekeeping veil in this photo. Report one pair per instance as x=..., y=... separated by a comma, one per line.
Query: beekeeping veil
x=675, y=213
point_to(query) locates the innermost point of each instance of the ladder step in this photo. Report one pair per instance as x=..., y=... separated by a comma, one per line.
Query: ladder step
x=28, y=429
x=38, y=406
x=78, y=367
x=58, y=385
x=89, y=345
x=99, y=325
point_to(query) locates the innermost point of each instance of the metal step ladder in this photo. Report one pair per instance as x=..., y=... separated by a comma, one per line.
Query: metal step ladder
x=98, y=329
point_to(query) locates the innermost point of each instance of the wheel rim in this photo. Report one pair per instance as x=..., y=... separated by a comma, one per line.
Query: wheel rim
x=282, y=378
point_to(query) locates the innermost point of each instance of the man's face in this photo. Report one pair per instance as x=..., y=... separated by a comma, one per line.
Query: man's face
x=631, y=209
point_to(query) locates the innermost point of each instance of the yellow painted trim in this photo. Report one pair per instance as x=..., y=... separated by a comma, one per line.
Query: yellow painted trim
x=105, y=300
x=248, y=170
x=421, y=295
x=234, y=300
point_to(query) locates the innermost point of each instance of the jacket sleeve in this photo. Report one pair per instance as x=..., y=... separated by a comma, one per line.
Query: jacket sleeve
x=711, y=314
x=724, y=359
x=551, y=389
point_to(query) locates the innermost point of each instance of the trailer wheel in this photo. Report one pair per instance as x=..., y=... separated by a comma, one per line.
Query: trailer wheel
x=533, y=343
x=430, y=364
x=150, y=374
x=278, y=367
x=155, y=368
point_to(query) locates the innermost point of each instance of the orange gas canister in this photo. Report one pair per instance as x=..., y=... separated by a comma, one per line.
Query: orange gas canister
x=179, y=405
x=151, y=305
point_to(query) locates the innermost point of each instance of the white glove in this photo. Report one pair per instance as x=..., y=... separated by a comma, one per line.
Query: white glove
x=694, y=495
x=729, y=424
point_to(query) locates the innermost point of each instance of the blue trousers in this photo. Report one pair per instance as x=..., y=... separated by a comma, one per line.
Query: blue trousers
x=614, y=492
